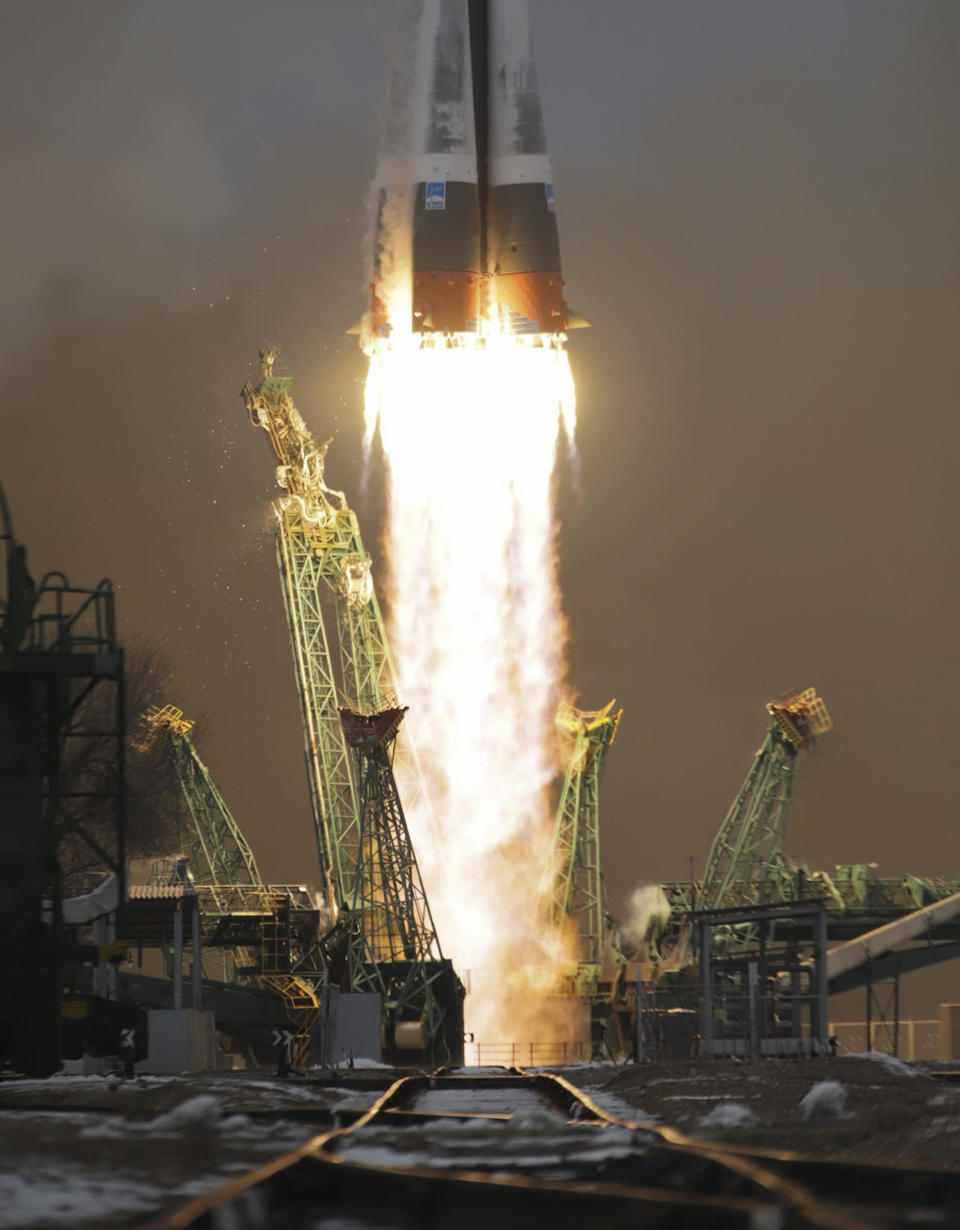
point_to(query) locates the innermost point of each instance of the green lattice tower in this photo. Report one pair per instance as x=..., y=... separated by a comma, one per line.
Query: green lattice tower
x=745, y=863
x=224, y=864
x=219, y=853
x=393, y=947
x=577, y=889
x=323, y=564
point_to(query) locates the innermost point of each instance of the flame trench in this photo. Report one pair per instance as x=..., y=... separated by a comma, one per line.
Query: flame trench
x=469, y=429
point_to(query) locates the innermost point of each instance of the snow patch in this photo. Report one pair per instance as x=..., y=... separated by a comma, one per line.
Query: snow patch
x=824, y=1100
x=728, y=1115
x=201, y=1114
x=89, y=1081
x=532, y=1119
x=65, y=1195
x=203, y=1111
x=890, y=1062
x=768, y=1219
x=616, y=1106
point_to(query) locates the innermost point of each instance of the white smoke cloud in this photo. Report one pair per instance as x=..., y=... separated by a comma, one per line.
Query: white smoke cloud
x=646, y=908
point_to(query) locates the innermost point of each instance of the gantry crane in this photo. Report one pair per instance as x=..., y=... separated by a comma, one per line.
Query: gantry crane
x=575, y=888
x=573, y=893
x=322, y=560
x=219, y=853
x=230, y=888
x=744, y=867
x=321, y=556
x=391, y=941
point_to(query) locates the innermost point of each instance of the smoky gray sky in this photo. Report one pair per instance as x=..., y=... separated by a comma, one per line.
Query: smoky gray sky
x=758, y=204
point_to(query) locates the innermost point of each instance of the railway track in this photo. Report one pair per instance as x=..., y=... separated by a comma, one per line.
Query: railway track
x=474, y=1148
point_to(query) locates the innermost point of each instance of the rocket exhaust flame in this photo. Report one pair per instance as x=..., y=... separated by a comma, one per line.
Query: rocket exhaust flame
x=470, y=432
x=469, y=382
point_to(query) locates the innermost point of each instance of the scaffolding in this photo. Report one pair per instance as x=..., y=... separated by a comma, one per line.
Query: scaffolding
x=322, y=560
x=574, y=889
x=392, y=942
x=62, y=797
x=746, y=865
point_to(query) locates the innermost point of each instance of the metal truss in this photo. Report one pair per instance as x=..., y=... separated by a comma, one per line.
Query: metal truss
x=323, y=563
x=62, y=785
x=746, y=864
x=392, y=942
x=333, y=799
x=575, y=887
x=220, y=855
x=269, y=928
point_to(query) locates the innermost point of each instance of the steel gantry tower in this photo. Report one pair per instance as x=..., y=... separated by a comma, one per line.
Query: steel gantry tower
x=576, y=889
x=392, y=944
x=744, y=867
x=219, y=853
x=382, y=923
x=321, y=557
x=234, y=901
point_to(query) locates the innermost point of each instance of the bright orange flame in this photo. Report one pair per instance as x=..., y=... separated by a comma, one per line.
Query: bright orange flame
x=469, y=429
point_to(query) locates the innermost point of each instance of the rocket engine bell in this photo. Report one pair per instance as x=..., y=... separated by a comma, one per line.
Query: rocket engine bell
x=485, y=239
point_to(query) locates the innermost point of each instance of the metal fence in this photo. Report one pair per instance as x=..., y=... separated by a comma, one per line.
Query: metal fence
x=669, y=1026
x=744, y=1022
x=914, y=1040
x=669, y=1022
x=527, y=1054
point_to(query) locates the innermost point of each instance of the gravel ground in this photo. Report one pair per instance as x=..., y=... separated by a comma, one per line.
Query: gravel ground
x=85, y=1152
x=95, y=1151
x=863, y=1107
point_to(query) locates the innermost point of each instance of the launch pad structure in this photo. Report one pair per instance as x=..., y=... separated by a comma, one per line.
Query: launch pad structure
x=484, y=254
x=62, y=731
x=382, y=937
x=383, y=943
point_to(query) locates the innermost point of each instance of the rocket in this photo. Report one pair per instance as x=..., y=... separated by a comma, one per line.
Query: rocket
x=478, y=178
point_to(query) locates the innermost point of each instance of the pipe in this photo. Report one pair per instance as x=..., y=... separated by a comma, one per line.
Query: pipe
x=875, y=943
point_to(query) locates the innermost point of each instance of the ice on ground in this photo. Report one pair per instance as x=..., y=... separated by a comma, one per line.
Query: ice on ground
x=63, y=1196
x=728, y=1115
x=198, y=1115
x=203, y=1111
x=616, y=1106
x=701, y=1097
x=890, y=1062
x=496, y=1101
x=824, y=1100
x=543, y=1146
x=681, y=1080
x=92, y=1081
x=530, y=1118
x=768, y=1219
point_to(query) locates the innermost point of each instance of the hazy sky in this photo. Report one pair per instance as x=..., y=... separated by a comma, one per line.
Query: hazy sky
x=758, y=205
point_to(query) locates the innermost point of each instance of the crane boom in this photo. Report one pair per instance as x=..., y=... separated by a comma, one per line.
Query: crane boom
x=223, y=866
x=575, y=888
x=219, y=853
x=744, y=856
x=392, y=944
x=320, y=554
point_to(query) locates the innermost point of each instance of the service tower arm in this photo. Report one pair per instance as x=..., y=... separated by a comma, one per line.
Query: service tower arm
x=393, y=947
x=320, y=554
x=576, y=889
x=225, y=870
x=219, y=853
x=742, y=865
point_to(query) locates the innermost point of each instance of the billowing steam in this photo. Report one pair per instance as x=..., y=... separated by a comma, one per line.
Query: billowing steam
x=647, y=910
